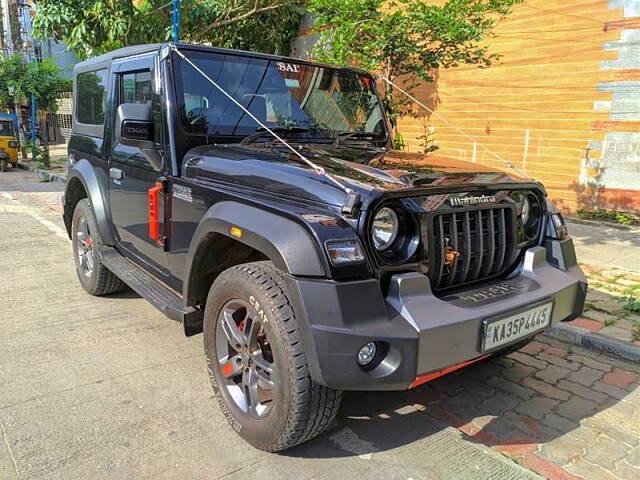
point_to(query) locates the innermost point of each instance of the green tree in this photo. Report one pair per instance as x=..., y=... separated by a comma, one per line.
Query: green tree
x=19, y=80
x=92, y=27
x=406, y=39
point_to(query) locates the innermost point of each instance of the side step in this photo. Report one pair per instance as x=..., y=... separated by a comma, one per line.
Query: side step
x=160, y=296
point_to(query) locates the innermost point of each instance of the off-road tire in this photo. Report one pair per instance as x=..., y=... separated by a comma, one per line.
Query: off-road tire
x=302, y=408
x=101, y=281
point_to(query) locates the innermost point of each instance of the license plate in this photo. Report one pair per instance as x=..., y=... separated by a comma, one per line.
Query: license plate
x=505, y=330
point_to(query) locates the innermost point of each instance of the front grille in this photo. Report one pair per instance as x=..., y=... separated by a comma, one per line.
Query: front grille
x=485, y=240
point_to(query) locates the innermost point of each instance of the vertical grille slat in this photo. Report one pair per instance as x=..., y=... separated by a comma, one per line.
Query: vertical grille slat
x=502, y=240
x=440, y=245
x=453, y=242
x=479, y=245
x=484, y=239
x=466, y=241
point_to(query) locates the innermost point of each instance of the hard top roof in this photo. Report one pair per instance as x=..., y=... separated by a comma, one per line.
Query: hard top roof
x=103, y=60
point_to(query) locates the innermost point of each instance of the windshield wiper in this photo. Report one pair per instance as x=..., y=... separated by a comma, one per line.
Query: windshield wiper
x=342, y=136
x=261, y=132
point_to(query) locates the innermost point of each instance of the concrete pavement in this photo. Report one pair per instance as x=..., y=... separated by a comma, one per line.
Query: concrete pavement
x=109, y=388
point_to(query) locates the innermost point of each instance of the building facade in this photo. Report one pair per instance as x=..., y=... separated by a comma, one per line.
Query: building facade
x=562, y=103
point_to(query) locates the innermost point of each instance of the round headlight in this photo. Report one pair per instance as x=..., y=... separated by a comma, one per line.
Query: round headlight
x=384, y=228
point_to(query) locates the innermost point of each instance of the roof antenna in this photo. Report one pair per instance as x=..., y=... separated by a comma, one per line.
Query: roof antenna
x=493, y=154
x=352, y=201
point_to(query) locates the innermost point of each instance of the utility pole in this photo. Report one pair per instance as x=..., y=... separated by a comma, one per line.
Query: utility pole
x=175, y=20
x=6, y=24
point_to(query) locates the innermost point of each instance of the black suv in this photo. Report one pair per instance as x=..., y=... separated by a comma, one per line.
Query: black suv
x=254, y=197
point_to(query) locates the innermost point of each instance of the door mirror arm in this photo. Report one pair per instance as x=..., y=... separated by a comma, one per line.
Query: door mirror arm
x=134, y=128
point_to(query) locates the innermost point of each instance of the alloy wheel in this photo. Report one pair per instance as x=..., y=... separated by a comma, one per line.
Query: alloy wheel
x=85, y=247
x=245, y=358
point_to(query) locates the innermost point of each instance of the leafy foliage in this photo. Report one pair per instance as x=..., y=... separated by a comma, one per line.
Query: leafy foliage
x=609, y=216
x=92, y=27
x=406, y=38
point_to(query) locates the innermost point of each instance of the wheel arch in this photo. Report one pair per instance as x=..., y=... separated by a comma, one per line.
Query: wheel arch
x=262, y=235
x=83, y=182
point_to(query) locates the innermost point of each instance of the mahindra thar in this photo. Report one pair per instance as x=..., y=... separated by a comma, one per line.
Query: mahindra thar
x=255, y=198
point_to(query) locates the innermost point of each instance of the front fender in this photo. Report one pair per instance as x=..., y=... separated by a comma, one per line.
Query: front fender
x=95, y=184
x=286, y=243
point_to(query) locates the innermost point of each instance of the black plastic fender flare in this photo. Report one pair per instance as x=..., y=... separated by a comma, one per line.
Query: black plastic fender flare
x=286, y=243
x=96, y=192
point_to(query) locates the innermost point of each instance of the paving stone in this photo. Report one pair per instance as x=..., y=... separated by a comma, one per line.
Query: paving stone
x=518, y=445
x=626, y=324
x=502, y=362
x=517, y=372
x=531, y=426
x=602, y=317
x=537, y=407
x=560, y=352
x=626, y=471
x=605, y=453
x=633, y=457
x=532, y=348
x=577, y=408
x=559, y=423
x=610, y=390
x=585, y=376
x=582, y=391
x=552, y=373
x=478, y=387
x=617, y=333
x=585, y=435
x=559, y=361
x=615, y=428
x=562, y=450
x=589, y=362
x=500, y=428
x=592, y=325
x=499, y=403
x=511, y=387
x=545, y=389
x=463, y=405
x=620, y=378
x=589, y=471
x=527, y=360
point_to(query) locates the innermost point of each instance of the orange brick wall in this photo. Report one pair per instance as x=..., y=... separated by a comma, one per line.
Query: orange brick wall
x=549, y=105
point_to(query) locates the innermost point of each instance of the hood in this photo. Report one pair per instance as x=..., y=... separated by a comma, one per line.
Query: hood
x=370, y=172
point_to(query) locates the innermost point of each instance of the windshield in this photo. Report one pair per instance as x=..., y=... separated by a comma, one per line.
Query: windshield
x=322, y=102
x=6, y=128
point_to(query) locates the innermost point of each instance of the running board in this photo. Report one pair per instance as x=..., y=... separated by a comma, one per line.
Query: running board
x=155, y=292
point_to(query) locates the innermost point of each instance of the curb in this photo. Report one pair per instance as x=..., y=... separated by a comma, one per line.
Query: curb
x=595, y=341
x=55, y=177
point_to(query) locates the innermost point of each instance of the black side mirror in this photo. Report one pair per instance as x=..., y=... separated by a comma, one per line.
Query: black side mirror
x=134, y=128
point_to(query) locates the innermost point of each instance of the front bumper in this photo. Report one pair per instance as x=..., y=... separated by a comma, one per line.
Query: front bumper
x=424, y=333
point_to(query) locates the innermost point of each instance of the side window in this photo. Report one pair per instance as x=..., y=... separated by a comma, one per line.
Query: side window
x=91, y=97
x=136, y=88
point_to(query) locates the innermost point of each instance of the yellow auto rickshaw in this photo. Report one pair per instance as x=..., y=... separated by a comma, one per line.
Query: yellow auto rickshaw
x=8, y=143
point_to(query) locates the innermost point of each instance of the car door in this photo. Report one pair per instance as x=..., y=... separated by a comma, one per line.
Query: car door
x=131, y=176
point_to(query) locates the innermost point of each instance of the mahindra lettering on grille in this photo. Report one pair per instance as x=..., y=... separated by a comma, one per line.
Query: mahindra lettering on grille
x=464, y=201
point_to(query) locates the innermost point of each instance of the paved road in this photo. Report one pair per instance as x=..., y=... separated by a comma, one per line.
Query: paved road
x=109, y=388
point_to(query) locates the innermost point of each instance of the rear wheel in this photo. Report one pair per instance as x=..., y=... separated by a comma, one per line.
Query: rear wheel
x=93, y=275
x=257, y=364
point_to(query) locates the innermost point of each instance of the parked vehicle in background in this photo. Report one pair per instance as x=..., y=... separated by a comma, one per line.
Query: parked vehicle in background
x=8, y=142
x=254, y=197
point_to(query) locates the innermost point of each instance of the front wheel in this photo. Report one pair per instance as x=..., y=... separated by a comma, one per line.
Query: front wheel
x=257, y=364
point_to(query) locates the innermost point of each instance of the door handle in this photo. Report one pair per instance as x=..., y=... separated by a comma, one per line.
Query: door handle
x=116, y=174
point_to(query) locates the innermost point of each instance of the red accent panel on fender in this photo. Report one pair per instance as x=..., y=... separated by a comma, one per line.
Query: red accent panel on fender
x=154, y=209
x=444, y=371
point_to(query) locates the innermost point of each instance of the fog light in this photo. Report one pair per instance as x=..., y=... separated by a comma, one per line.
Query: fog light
x=367, y=354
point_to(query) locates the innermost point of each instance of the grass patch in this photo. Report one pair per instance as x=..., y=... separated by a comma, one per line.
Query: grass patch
x=612, y=216
x=631, y=304
x=636, y=333
x=631, y=289
x=610, y=321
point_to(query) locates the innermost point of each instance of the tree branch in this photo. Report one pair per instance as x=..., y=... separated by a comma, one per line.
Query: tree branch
x=251, y=12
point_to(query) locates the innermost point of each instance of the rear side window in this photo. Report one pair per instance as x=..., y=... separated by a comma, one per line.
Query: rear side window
x=135, y=87
x=91, y=97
